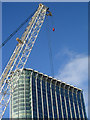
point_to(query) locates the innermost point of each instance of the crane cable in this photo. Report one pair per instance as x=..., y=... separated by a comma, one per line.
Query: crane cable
x=12, y=34
x=49, y=47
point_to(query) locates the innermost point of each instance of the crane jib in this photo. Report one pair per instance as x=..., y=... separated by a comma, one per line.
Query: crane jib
x=19, y=57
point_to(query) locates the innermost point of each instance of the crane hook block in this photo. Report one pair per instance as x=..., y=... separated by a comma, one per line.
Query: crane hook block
x=19, y=40
x=53, y=29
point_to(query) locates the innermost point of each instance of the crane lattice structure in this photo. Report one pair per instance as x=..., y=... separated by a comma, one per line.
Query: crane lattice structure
x=20, y=56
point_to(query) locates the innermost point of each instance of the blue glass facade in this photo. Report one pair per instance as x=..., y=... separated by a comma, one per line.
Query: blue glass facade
x=63, y=102
x=34, y=97
x=49, y=100
x=44, y=99
x=39, y=99
x=54, y=101
x=21, y=98
x=83, y=105
x=76, y=106
x=67, y=103
x=80, y=105
x=58, y=102
x=72, y=104
x=40, y=96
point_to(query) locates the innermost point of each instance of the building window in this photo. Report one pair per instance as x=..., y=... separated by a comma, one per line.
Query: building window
x=63, y=102
x=54, y=101
x=82, y=100
x=59, y=102
x=34, y=97
x=44, y=99
x=49, y=100
x=67, y=103
x=39, y=99
x=76, y=106
x=71, y=102
x=79, y=103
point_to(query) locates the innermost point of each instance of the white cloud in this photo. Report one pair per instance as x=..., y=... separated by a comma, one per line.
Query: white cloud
x=75, y=72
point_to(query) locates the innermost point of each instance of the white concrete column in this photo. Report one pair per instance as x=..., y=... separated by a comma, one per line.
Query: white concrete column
x=42, y=97
x=74, y=103
x=78, y=105
x=51, y=98
x=65, y=102
x=37, y=95
x=61, y=101
x=47, y=98
x=56, y=102
x=82, y=106
x=24, y=96
x=31, y=93
x=18, y=98
x=11, y=101
x=69, y=103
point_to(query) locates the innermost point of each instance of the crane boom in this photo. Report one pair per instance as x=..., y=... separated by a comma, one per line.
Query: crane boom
x=19, y=57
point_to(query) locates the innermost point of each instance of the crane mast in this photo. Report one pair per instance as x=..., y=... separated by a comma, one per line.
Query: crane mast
x=20, y=56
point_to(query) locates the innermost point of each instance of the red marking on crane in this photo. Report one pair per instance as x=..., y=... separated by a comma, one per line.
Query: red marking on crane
x=53, y=29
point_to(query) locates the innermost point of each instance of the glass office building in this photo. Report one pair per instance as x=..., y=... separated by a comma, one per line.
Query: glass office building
x=40, y=96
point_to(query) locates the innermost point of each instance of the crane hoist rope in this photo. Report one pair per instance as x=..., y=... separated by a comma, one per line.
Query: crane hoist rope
x=49, y=47
x=20, y=56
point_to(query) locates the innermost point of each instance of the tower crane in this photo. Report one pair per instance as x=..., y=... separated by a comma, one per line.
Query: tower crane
x=19, y=57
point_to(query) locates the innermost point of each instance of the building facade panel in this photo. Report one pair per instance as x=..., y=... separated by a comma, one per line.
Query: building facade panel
x=63, y=102
x=67, y=103
x=76, y=106
x=83, y=105
x=34, y=96
x=44, y=99
x=40, y=96
x=49, y=100
x=21, y=100
x=79, y=103
x=72, y=105
x=54, y=101
x=59, y=102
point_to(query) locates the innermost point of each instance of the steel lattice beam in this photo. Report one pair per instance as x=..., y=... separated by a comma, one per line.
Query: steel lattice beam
x=19, y=58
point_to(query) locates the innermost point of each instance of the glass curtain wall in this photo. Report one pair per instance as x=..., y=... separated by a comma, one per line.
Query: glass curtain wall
x=21, y=98
x=40, y=96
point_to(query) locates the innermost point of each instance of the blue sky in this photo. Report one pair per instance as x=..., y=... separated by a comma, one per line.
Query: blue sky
x=69, y=41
